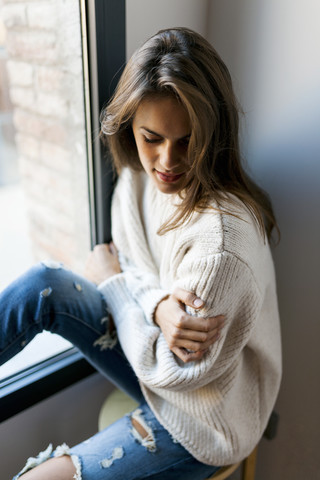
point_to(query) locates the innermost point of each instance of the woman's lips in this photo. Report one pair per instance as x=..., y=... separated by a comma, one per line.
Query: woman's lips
x=169, y=177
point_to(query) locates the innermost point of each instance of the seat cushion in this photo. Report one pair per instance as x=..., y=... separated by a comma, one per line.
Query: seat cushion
x=116, y=405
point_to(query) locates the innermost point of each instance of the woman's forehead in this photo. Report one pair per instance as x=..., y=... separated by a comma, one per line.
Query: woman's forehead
x=164, y=116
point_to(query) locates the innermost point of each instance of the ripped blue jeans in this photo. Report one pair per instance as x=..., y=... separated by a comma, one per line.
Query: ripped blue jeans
x=50, y=297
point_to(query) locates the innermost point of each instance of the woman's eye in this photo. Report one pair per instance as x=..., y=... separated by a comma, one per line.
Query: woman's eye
x=151, y=140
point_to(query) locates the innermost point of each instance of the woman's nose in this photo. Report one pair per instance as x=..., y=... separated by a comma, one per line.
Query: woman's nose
x=169, y=157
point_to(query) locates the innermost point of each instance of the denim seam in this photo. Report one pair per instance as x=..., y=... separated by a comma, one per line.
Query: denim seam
x=75, y=318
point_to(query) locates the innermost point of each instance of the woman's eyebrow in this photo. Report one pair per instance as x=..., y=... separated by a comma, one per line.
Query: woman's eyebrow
x=150, y=131
x=159, y=135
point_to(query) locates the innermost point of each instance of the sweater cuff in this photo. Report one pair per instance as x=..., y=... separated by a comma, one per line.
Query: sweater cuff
x=149, y=302
x=116, y=294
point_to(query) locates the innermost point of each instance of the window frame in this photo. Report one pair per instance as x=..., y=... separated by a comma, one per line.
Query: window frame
x=104, y=52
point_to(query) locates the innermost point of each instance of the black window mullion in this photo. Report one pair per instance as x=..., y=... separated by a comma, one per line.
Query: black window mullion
x=36, y=383
x=107, y=54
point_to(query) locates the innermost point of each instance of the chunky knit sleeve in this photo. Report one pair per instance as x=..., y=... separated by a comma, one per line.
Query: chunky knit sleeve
x=129, y=235
x=227, y=286
x=144, y=287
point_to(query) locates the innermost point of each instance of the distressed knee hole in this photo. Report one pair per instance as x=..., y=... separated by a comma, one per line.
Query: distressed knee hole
x=139, y=428
x=42, y=457
x=117, y=454
x=142, y=432
x=33, y=462
x=64, y=450
x=109, y=339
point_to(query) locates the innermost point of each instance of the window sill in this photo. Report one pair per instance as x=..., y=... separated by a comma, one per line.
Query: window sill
x=36, y=383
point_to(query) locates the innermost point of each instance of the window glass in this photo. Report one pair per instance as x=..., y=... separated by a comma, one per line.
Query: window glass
x=44, y=207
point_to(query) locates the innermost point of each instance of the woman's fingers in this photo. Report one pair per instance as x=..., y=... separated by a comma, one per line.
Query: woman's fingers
x=195, y=340
x=184, y=331
x=196, y=336
x=187, y=356
x=102, y=263
x=188, y=298
x=194, y=346
x=113, y=249
x=102, y=251
x=185, y=321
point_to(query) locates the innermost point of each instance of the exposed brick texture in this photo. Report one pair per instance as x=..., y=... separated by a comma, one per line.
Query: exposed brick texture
x=43, y=41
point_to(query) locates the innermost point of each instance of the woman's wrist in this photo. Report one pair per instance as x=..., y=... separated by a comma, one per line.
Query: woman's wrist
x=156, y=314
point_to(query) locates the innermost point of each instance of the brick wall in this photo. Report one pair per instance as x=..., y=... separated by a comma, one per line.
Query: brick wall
x=43, y=41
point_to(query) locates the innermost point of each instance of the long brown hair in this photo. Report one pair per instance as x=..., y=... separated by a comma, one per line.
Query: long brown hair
x=182, y=63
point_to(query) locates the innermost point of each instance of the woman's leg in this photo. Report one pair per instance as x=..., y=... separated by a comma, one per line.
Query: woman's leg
x=50, y=297
x=61, y=468
x=134, y=447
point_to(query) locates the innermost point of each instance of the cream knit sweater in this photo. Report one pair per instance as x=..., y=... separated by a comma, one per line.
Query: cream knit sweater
x=218, y=407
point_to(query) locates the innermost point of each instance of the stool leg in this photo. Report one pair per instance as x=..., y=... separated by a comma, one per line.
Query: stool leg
x=249, y=466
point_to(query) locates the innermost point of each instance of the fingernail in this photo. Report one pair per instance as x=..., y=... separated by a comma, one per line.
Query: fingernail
x=198, y=302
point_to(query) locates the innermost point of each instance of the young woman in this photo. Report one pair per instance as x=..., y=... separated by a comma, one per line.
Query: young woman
x=190, y=233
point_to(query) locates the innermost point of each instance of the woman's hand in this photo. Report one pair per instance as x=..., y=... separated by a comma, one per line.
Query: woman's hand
x=102, y=263
x=188, y=337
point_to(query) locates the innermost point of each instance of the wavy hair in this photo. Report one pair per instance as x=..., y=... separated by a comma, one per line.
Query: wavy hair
x=182, y=63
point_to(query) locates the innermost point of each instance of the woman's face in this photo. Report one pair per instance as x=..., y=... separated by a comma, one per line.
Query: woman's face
x=162, y=130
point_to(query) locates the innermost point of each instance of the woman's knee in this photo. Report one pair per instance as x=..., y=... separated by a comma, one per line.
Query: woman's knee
x=47, y=275
x=44, y=279
x=61, y=468
x=40, y=279
x=59, y=287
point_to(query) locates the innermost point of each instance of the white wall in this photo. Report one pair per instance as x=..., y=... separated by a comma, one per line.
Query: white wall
x=272, y=50
x=146, y=17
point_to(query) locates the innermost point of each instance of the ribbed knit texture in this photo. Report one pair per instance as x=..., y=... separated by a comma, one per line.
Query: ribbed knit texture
x=218, y=407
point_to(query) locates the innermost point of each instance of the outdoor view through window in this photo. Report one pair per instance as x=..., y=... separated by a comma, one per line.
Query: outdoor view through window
x=44, y=208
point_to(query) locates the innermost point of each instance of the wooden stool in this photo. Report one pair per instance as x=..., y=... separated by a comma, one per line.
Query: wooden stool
x=119, y=404
x=248, y=468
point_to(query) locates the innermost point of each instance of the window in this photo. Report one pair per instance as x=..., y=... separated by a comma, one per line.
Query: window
x=57, y=85
x=44, y=180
